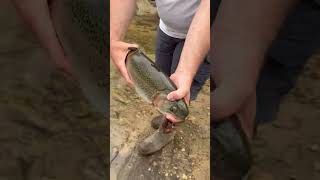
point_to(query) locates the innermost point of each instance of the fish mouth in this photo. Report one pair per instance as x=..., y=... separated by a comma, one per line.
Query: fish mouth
x=172, y=118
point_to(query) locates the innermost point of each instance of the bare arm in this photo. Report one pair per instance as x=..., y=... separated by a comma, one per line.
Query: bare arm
x=121, y=14
x=37, y=15
x=243, y=31
x=195, y=49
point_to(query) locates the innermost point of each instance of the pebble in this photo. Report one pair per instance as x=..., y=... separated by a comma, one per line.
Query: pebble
x=183, y=149
x=166, y=174
x=149, y=169
x=154, y=163
x=184, y=176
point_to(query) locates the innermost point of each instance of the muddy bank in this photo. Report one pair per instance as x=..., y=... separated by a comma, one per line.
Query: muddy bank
x=48, y=129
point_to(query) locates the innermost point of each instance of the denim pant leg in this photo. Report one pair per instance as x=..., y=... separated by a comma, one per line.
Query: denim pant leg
x=296, y=42
x=165, y=46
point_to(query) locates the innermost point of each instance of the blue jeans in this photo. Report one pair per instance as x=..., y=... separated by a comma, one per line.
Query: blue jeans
x=168, y=51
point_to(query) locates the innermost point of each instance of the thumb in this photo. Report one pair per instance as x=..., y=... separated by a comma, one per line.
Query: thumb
x=176, y=95
x=125, y=74
x=125, y=45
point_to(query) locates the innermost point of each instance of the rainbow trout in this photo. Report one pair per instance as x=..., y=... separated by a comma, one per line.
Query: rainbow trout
x=82, y=28
x=154, y=86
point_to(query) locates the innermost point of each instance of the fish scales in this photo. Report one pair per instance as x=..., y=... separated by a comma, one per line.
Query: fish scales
x=153, y=85
x=92, y=20
x=149, y=80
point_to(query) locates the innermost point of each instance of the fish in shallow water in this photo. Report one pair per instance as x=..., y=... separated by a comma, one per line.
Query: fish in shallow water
x=154, y=86
x=82, y=28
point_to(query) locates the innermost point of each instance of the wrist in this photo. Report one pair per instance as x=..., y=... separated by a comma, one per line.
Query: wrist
x=187, y=77
x=186, y=73
x=116, y=36
x=115, y=44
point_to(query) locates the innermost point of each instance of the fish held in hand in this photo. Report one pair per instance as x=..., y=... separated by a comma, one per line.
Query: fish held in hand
x=153, y=85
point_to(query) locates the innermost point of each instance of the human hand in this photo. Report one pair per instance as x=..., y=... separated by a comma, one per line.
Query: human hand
x=118, y=53
x=183, y=83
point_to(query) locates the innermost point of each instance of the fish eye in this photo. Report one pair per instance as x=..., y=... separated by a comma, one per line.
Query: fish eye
x=173, y=109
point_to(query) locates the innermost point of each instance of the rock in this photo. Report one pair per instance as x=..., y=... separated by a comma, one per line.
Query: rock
x=184, y=176
x=192, y=119
x=154, y=163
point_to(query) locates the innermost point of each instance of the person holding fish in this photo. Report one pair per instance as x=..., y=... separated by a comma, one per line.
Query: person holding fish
x=182, y=45
x=181, y=49
x=183, y=42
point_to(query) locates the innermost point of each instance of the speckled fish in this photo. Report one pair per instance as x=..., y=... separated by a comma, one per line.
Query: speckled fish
x=154, y=86
x=82, y=28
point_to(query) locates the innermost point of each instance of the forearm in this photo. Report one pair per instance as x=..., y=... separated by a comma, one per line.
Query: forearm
x=36, y=14
x=197, y=42
x=243, y=31
x=121, y=13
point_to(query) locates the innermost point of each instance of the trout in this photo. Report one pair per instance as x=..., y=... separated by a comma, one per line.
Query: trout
x=82, y=27
x=153, y=85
